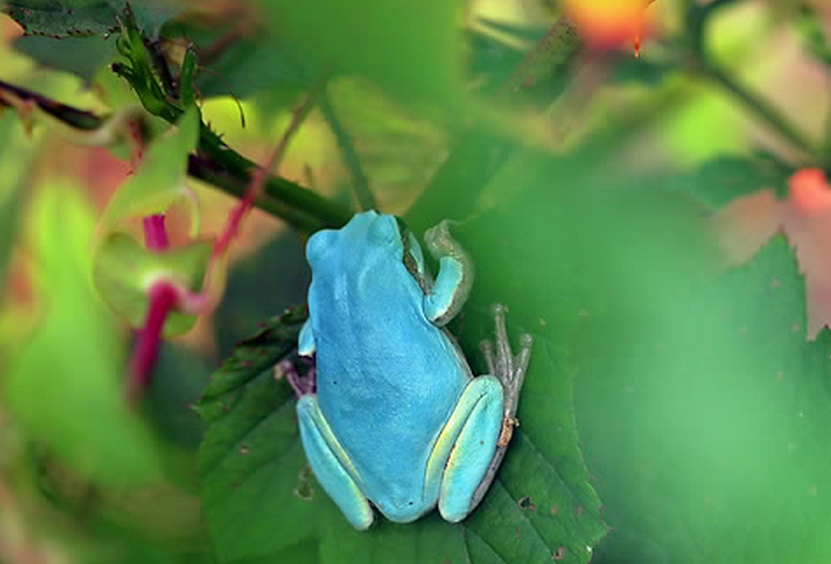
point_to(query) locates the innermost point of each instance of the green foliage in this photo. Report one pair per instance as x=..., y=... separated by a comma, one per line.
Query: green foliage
x=542, y=504
x=720, y=181
x=421, y=51
x=13, y=162
x=64, y=19
x=64, y=384
x=81, y=56
x=711, y=440
x=689, y=391
x=264, y=62
x=125, y=271
x=160, y=180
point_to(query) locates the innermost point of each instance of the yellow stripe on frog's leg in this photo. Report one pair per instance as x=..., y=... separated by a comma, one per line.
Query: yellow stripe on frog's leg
x=306, y=339
x=331, y=465
x=465, y=448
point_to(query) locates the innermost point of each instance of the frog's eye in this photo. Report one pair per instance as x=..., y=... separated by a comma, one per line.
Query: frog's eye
x=319, y=245
x=403, y=230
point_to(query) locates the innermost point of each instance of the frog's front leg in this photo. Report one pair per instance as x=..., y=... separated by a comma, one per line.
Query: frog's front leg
x=331, y=464
x=455, y=278
x=472, y=444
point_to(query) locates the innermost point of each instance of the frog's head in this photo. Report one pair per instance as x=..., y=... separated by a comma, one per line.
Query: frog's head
x=367, y=234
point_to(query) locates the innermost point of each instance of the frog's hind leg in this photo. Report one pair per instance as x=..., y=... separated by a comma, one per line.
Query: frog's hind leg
x=466, y=446
x=331, y=465
x=480, y=428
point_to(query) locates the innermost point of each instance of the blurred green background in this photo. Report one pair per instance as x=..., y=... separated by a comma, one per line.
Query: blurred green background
x=633, y=213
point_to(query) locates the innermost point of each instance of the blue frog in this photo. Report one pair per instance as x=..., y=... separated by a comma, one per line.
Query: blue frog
x=395, y=418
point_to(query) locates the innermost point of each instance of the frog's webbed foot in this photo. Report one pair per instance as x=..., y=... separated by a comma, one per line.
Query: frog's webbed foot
x=507, y=368
x=510, y=371
x=303, y=385
x=455, y=278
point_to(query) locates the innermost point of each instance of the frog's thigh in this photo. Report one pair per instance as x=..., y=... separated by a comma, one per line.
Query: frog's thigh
x=306, y=339
x=470, y=436
x=325, y=455
x=447, y=293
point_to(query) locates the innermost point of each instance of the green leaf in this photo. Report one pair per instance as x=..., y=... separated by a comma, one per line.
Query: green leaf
x=414, y=50
x=248, y=66
x=73, y=18
x=255, y=479
x=16, y=155
x=720, y=181
x=160, y=181
x=81, y=56
x=66, y=18
x=124, y=272
x=75, y=35
x=707, y=427
x=65, y=384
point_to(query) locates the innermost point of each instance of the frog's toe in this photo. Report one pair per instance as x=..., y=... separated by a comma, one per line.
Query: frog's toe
x=302, y=385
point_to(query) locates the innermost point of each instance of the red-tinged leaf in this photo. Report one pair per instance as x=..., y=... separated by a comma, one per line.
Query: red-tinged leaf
x=746, y=224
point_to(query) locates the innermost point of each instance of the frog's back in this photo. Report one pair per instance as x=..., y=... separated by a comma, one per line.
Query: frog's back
x=387, y=378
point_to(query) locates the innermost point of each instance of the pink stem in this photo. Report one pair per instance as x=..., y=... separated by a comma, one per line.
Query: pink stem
x=163, y=297
x=235, y=218
x=155, y=233
x=162, y=300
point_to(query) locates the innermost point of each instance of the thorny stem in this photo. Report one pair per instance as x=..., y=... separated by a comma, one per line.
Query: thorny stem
x=217, y=164
x=260, y=176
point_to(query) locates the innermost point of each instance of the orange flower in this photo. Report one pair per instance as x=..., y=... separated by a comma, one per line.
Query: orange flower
x=809, y=192
x=609, y=24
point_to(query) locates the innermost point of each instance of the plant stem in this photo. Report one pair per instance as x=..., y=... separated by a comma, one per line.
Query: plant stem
x=163, y=298
x=360, y=183
x=261, y=174
x=770, y=115
x=218, y=164
x=155, y=233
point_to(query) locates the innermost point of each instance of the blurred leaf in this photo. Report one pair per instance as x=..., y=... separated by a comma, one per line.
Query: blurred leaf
x=178, y=381
x=706, y=427
x=16, y=155
x=814, y=39
x=81, y=56
x=160, y=180
x=246, y=65
x=125, y=271
x=64, y=385
x=718, y=182
x=260, y=283
x=414, y=50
